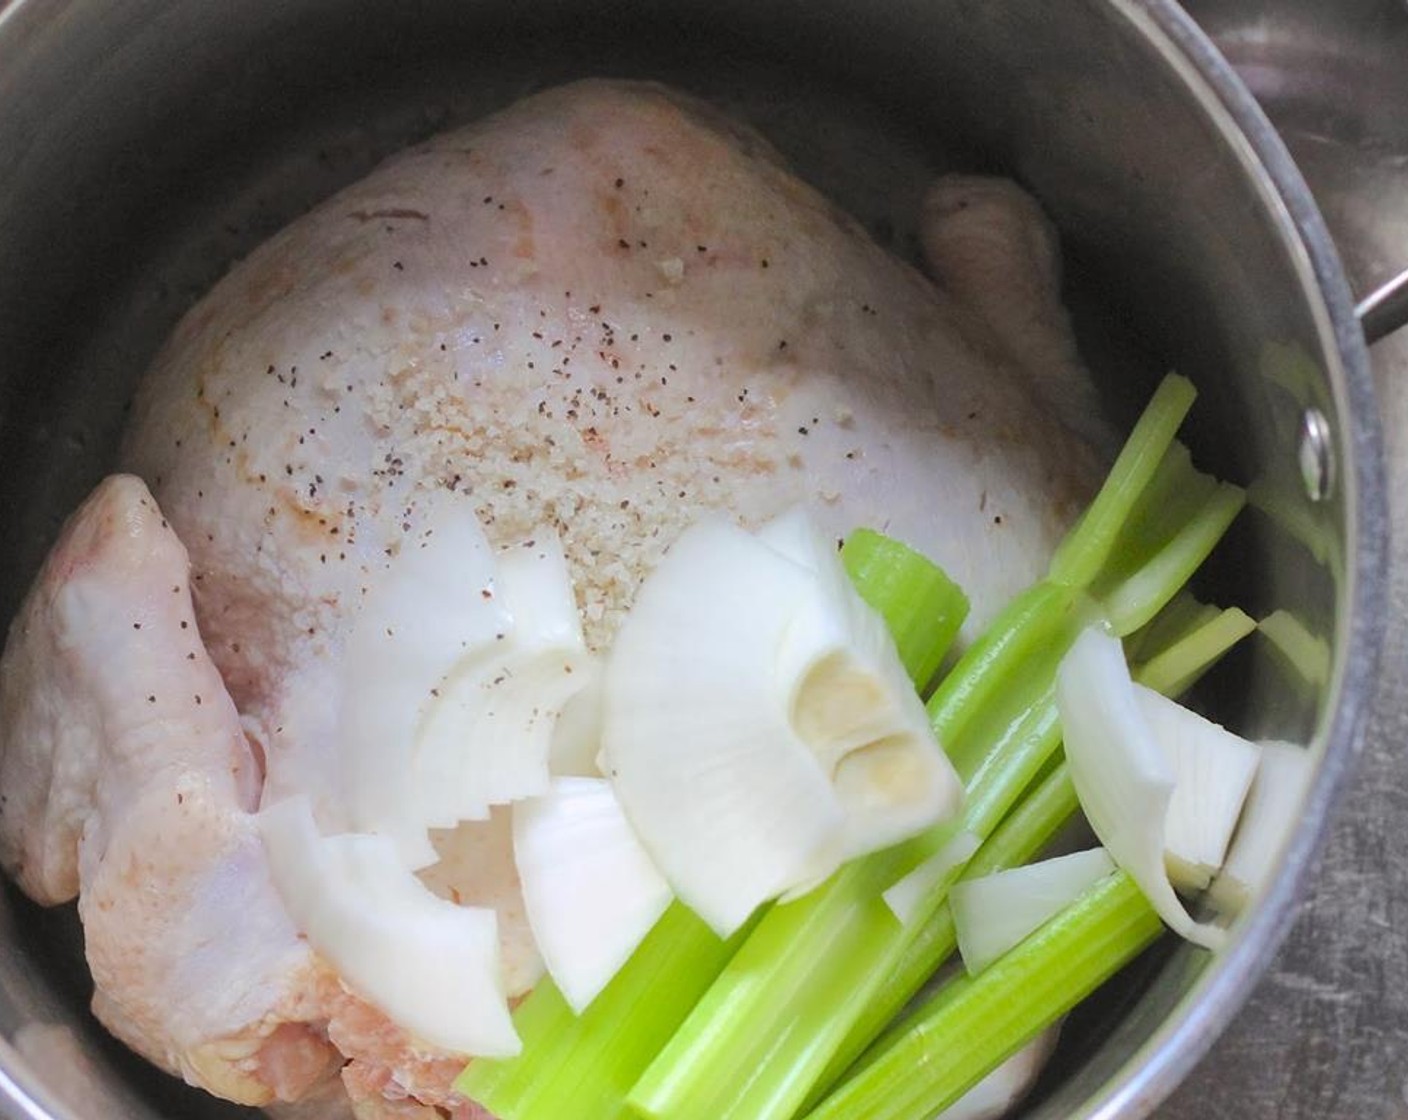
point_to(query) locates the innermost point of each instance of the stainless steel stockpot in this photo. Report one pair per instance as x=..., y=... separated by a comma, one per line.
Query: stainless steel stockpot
x=146, y=145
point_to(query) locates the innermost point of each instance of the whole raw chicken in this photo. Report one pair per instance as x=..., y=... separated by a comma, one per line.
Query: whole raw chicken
x=605, y=309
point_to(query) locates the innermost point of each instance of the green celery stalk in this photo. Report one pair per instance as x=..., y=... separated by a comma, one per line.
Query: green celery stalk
x=1026, y=831
x=995, y=712
x=1177, y=668
x=1295, y=648
x=1184, y=614
x=843, y=924
x=998, y=783
x=779, y=954
x=766, y=1030
x=1184, y=642
x=1030, y=827
x=1088, y=547
x=1033, y=622
x=574, y=1066
x=923, y=609
x=1175, y=493
x=1171, y=529
x=1003, y=743
x=1139, y=598
x=974, y=1022
x=784, y=1007
x=597, y=1056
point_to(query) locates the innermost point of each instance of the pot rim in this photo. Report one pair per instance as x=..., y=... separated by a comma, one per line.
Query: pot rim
x=1157, y=1067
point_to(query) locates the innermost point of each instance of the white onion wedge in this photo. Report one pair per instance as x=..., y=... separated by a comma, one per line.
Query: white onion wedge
x=731, y=805
x=432, y=967
x=477, y=868
x=488, y=742
x=433, y=605
x=1121, y=775
x=904, y=897
x=575, y=749
x=1213, y=769
x=854, y=704
x=590, y=890
x=455, y=673
x=757, y=729
x=486, y=738
x=1272, y=807
x=537, y=587
x=993, y=913
x=794, y=535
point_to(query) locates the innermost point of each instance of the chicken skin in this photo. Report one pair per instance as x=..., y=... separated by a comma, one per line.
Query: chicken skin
x=606, y=310
x=129, y=783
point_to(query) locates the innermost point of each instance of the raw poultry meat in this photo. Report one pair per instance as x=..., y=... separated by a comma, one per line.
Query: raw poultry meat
x=606, y=309
x=128, y=781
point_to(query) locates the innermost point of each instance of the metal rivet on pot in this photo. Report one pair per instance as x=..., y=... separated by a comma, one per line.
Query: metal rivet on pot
x=1317, y=464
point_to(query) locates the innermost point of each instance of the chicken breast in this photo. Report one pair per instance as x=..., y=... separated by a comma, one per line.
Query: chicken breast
x=606, y=310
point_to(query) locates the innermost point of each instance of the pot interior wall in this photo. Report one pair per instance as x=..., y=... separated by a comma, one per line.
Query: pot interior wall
x=150, y=144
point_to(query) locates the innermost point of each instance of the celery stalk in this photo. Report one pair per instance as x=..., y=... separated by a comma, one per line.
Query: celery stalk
x=583, y=1066
x=844, y=931
x=1180, y=645
x=597, y=1056
x=1295, y=648
x=1031, y=623
x=1175, y=493
x=1005, y=773
x=1030, y=827
x=923, y=609
x=1184, y=614
x=976, y=1022
x=994, y=715
x=1088, y=547
x=1135, y=601
x=1020, y=838
x=1172, y=528
x=1175, y=669
x=784, y=1006
x=770, y=1000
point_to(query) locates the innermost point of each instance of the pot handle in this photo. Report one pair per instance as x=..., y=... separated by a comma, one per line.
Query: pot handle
x=1385, y=309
